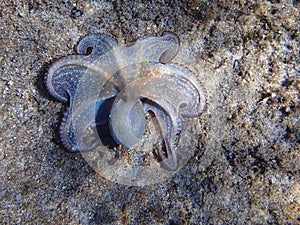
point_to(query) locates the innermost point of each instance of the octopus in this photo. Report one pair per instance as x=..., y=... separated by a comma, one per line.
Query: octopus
x=111, y=89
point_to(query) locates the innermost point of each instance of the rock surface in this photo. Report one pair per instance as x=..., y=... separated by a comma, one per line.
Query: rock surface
x=246, y=168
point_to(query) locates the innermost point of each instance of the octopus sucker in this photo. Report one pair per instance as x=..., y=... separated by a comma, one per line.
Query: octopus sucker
x=110, y=88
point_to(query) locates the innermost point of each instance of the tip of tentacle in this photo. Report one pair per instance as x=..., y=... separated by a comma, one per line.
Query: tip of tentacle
x=89, y=44
x=172, y=36
x=203, y=95
x=168, y=55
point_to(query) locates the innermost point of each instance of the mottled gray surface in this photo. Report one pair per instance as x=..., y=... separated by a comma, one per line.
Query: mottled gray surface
x=246, y=167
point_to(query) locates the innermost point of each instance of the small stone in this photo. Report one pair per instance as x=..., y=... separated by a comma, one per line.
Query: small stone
x=10, y=83
x=76, y=13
